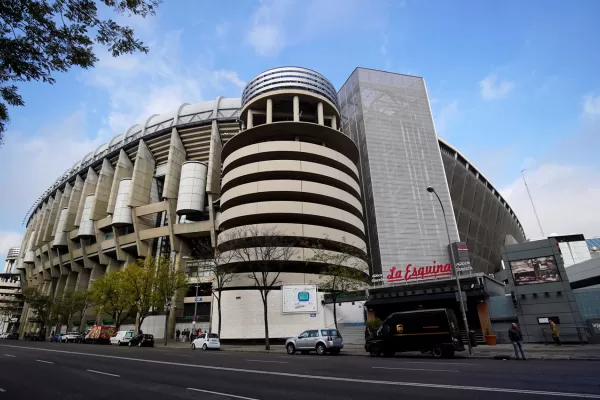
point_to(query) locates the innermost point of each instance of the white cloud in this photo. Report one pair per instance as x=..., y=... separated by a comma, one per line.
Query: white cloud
x=591, y=105
x=493, y=89
x=230, y=76
x=143, y=85
x=564, y=182
x=277, y=24
x=32, y=163
x=566, y=198
x=266, y=35
x=445, y=116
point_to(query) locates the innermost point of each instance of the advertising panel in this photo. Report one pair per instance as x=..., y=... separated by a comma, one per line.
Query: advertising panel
x=299, y=299
x=535, y=270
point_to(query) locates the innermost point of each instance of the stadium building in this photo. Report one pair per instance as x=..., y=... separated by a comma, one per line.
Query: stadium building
x=346, y=171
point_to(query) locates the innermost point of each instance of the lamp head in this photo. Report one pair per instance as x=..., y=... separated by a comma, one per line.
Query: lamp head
x=430, y=189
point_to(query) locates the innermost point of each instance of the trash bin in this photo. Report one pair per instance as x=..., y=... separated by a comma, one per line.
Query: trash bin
x=472, y=338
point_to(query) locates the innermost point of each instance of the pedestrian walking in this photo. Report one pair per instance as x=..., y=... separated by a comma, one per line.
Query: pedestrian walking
x=516, y=338
x=555, y=333
x=177, y=334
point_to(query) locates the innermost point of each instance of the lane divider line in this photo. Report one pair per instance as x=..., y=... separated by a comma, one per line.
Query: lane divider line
x=45, y=362
x=222, y=394
x=103, y=373
x=325, y=378
x=418, y=369
x=266, y=361
x=441, y=363
x=10, y=355
x=2, y=390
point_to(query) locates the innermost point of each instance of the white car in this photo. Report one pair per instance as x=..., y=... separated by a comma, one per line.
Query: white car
x=122, y=338
x=207, y=341
x=71, y=337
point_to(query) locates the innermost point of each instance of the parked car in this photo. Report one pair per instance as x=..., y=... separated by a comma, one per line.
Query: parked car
x=71, y=337
x=207, y=341
x=3, y=335
x=142, y=340
x=434, y=331
x=56, y=338
x=122, y=337
x=322, y=341
x=13, y=336
x=32, y=336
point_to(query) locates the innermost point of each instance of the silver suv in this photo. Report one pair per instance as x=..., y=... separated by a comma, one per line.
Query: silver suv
x=322, y=341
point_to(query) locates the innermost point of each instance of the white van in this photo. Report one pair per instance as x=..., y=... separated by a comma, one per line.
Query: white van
x=122, y=337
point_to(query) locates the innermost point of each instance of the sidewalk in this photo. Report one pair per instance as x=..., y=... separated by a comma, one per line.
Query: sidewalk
x=533, y=351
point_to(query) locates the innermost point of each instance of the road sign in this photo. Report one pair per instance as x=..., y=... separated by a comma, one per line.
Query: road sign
x=198, y=299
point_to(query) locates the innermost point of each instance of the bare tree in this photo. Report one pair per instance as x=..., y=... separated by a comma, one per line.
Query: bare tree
x=341, y=271
x=219, y=265
x=264, y=252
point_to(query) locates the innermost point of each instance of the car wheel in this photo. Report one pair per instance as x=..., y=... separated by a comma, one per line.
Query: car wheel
x=118, y=343
x=437, y=352
x=193, y=346
x=375, y=351
x=321, y=349
x=291, y=349
x=204, y=347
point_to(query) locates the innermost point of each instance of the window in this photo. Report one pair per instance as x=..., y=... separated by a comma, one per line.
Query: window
x=303, y=335
x=313, y=334
x=129, y=334
x=324, y=332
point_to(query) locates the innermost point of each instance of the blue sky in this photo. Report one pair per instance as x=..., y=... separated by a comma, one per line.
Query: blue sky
x=513, y=85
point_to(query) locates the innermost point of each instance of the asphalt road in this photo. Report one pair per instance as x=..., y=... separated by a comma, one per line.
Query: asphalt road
x=32, y=370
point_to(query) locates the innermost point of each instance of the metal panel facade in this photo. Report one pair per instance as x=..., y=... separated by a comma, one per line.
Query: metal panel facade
x=389, y=117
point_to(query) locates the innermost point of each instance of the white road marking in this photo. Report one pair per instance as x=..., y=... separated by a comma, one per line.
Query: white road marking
x=103, y=373
x=45, y=362
x=265, y=361
x=419, y=369
x=9, y=355
x=222, y=394
x=324, y=378
x=2, y=390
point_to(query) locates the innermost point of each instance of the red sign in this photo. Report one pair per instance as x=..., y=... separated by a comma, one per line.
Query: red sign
x=410, y=272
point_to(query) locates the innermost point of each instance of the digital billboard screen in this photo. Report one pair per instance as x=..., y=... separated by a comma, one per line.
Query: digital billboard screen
x=535, y=270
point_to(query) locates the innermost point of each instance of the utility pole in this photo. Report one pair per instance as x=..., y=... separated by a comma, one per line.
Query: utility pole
x=532, y=204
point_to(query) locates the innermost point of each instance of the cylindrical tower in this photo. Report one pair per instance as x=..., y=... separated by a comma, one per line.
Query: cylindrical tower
x=293, y=173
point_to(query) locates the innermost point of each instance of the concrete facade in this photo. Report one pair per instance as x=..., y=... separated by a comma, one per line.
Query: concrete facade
x=542, y=300
x=285, y=157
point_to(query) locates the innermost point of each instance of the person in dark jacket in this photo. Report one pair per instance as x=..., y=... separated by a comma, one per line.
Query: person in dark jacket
x=516, y=337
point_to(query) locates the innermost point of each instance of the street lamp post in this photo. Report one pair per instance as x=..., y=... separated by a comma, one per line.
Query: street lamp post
x=462, y=305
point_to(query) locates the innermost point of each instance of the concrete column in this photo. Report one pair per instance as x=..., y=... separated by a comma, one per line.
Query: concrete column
x=141, y=178
x=334, y=122
x=175, y=302
x=124, y=169
x=320, y=117
x=269, y=111
x=177, y=156
x=89, y=187
x=250, y=119
x=102, y=193
x=296, y=108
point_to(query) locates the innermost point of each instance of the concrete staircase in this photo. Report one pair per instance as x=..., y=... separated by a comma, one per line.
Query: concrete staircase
x=352, y=333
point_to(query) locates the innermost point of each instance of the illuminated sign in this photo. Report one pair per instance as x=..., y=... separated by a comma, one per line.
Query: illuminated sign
x=411, y=272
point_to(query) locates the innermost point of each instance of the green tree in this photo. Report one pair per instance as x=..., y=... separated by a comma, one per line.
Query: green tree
x=263, y=252
x=42, y=37
x=40, y=304
x=83, y=300
x=141, y=280
x=111, y=296
x=341, y=271
x=170, y=280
